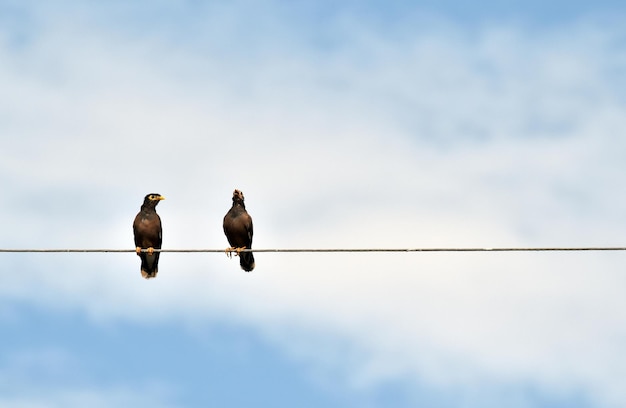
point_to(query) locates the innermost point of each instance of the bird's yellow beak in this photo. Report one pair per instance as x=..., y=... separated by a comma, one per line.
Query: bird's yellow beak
x=161, y=198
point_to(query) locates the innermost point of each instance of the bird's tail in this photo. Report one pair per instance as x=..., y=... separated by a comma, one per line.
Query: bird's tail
x=149, y=265
x=246, y=261
x=147, y=274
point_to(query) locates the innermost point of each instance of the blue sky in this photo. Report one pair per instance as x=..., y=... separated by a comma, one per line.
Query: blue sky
x=346, y=124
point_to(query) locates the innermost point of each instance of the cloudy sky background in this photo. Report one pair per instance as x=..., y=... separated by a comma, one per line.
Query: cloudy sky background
x=346, y=124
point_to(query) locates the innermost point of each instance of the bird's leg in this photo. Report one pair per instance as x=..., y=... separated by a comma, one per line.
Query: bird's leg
x=138, y=250
x=150, y=250
x=229, y=251
x=238, y=250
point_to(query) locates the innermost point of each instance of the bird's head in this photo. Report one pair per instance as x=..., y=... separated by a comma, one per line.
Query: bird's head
x=152, y=199
x=237, y=196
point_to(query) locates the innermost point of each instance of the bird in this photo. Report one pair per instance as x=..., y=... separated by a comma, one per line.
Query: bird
x=148, y=235
x=238, y=231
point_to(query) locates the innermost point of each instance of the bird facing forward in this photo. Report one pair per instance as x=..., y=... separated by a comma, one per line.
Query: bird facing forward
x=238, y=230
x=148, y=235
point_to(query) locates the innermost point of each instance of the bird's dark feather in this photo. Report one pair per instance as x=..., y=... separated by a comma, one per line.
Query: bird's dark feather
x=239, y=231
x=148, y=234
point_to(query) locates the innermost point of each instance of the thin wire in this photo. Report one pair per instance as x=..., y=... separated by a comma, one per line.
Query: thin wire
x=317, y=250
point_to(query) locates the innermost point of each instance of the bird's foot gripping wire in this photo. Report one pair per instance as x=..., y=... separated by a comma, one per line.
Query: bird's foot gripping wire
x=229, y=251
x=149, y=250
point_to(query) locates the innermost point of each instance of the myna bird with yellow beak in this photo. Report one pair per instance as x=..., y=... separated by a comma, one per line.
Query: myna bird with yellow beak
x=148, y=235
x=238, y=231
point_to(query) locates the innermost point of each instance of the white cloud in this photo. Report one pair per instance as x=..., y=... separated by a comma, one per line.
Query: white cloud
x=502, y=139
x=98, y=398
x=33, y=378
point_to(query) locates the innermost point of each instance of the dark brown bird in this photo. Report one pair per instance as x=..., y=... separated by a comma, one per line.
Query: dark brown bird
x=148, y=235
x=238, y=230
